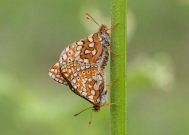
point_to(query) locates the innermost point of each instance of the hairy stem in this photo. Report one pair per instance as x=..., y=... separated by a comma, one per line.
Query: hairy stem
x=118, y=68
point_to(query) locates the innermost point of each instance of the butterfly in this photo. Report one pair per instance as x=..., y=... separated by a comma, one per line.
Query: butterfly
x=81, y=65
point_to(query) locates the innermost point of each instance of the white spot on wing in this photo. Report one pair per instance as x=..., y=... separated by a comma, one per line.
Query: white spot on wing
x=53, y=76
x=84, y=94
x=75, y=74
x=84, y=89
x=87, y=51
x=91, y=97
x=90, y=86
x=64, y=56
x=69, y=71
x=57, y=64
x=92, y=92
x=94, y=52
x=94, y=77
x=92, y=100
x=50, y=74
x=90, y=38
x=80, y=43
x=52, y=70
x=75, y=86
x=60, y=81
x=64, y=70
x=96, y=87
x=79, y=48
x=58, y=76
x=77, y=53
x=87, y=66
x=100, y=38
x=86, y=60
x=78, y=68
x=91, y=44
x=99, y=77
x=98, y=99
x=67, y=49
x=74, y=80
x=55, y=71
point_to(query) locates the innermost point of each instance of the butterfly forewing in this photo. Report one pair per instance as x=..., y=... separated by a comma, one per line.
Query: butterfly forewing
x=88, y=50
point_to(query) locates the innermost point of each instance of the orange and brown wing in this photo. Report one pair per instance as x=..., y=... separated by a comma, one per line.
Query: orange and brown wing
x=89, y=84
x=55, y=74
x=88, y=51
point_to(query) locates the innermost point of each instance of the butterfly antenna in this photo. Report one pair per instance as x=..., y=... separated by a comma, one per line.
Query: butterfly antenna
x=82, y=111
x=89, y=17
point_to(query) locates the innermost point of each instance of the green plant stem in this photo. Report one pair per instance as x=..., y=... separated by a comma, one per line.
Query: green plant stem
x=118, y=68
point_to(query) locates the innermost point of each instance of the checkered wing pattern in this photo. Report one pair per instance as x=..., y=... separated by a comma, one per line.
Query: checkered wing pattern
x=81, y=67
x=89, y=50
x=89, y=84
x=55, y=74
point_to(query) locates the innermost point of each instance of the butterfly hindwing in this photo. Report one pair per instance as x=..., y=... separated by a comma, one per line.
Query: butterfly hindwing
x=55, y=74
x=89, y=84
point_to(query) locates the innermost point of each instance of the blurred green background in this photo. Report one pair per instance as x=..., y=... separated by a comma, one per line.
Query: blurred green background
x=34, y=32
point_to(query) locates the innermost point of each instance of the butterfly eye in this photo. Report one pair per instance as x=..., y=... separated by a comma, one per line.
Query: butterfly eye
x=88, y=71
x=78, y=78
x=83, y=72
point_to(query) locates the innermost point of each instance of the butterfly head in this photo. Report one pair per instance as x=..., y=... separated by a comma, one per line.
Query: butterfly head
x=103, y=31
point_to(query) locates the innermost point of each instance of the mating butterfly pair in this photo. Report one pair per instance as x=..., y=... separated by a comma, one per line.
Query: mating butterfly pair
x=81, y=65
